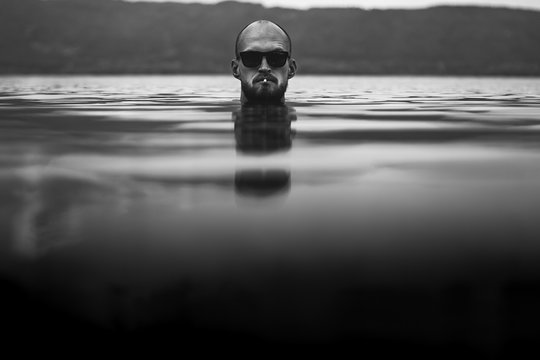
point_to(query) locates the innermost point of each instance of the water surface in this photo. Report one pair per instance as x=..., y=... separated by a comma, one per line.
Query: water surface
x=379, y=210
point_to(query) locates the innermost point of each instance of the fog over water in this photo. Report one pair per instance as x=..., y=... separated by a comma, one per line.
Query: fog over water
x=369, y=210
x=374, y=4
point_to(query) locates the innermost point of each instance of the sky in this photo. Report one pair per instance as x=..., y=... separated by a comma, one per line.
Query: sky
x=379, y=4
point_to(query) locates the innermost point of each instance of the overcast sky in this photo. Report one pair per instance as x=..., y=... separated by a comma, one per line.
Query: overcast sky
x=379, y=4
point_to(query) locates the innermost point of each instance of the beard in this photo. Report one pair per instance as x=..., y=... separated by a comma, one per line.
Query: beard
x=258, y=93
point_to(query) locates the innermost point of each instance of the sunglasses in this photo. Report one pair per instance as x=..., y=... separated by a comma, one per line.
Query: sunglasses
x=253, y=59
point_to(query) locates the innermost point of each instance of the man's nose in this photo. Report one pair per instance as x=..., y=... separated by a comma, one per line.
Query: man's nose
x=264, y=67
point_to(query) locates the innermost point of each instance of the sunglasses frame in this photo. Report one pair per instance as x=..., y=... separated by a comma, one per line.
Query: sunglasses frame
x=269, y=59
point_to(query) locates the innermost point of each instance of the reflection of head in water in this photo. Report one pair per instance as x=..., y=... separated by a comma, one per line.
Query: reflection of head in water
x=263, y=130
x=263, y=62
x=262, y=182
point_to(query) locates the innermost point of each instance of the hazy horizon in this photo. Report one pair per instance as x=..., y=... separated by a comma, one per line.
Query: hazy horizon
x=371, y=4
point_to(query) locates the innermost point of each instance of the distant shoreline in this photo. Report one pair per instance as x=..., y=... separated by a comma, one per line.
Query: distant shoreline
x=117, y=37
x=301, y=75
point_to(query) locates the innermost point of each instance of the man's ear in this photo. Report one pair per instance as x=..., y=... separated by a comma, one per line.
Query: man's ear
x=234, y=68
x=292, y=68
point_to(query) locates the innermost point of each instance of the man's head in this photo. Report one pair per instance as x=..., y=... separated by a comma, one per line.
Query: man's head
x=263, y=62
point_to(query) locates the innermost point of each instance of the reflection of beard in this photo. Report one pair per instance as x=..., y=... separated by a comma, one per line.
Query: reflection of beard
x=264, y=94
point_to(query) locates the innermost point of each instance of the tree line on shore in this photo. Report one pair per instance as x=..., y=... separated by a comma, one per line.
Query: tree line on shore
x=117, y=37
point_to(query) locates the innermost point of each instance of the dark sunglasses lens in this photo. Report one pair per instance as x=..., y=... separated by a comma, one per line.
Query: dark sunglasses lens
x=277, y=59
x=251, y=58
x=254, y=58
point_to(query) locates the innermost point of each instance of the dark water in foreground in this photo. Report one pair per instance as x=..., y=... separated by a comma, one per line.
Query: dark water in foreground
x=393, y=214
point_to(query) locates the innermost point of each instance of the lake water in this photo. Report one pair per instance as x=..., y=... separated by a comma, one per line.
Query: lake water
x=386, y=212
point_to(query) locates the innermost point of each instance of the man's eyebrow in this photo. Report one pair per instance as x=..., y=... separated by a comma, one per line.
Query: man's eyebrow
x=277, y=48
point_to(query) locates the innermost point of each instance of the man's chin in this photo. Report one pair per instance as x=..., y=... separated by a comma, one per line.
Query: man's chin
x=265, y=87
x=264, y=93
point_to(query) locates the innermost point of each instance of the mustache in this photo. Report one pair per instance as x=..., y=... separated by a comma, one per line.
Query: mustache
x=268, y=77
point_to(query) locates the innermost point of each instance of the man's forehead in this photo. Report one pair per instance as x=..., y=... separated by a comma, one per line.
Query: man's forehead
x=263, y=34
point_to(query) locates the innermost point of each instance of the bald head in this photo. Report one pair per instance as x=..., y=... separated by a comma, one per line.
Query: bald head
x=262, y=28
x=263, y=62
